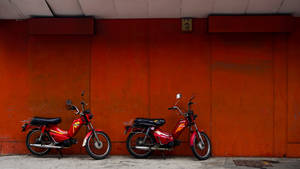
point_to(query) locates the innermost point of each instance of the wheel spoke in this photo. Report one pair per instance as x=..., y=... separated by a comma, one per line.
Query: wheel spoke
x=201, y=149
x=33, y=138
x=98, y=150
x=137, y=139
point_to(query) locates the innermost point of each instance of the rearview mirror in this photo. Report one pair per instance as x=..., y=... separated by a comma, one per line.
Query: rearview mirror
x=73, y=107
x=69, y=102
x=178, y=96
x=69, y=105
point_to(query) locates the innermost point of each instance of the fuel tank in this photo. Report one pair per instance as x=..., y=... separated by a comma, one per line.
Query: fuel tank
x=57, y=134
x=162, y=136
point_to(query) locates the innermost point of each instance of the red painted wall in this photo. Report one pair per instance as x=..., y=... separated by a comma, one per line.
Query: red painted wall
x=242, y=94
x=293, y=90
x=14, y=85
x=246, y=84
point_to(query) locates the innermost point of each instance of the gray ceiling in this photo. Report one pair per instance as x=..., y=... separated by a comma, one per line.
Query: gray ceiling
x=22, y=9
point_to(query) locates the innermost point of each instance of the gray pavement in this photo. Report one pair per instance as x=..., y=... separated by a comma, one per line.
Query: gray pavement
x=117, y=162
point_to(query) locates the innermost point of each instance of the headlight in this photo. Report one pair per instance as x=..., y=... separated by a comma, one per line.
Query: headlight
x=90, y=115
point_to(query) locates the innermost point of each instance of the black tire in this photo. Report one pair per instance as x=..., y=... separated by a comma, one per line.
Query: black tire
x=207, y=145
x=130, y=149
x=91, y=144
x=34, y=150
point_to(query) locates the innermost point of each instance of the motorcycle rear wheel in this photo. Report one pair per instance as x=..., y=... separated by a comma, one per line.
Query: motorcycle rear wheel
x=133, y=140
x=32, y=138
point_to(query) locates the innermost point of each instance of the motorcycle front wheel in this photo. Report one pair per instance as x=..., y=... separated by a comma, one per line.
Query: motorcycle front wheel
x=98, y=150
x=202, y=152
x=136, y=139
x=33, y=138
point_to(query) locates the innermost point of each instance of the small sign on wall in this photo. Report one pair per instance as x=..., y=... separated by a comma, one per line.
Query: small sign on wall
x=186, y=24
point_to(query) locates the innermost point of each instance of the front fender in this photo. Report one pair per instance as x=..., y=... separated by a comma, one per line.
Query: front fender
x=193, y=137
x=87, y=136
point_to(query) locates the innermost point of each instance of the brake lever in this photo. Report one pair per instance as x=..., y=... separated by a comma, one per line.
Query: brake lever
x=76, y=113
x=192, y=98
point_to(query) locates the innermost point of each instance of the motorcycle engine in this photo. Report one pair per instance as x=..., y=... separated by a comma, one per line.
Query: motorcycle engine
x=173, y=143
x=69, y=142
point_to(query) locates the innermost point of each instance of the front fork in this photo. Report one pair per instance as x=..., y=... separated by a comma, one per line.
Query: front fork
x=90, y=126
x=201, y=143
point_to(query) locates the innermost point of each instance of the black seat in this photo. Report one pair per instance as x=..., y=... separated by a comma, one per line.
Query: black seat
x=44, y=121
x=149, y=122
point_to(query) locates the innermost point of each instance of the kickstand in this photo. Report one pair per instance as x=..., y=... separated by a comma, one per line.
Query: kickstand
x=60, y=153
x=163, y=155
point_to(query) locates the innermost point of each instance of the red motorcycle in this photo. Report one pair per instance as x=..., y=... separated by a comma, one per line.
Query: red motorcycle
x=146, y=136
x=45, y=134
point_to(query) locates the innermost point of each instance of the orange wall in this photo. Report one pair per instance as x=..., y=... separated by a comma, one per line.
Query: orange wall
x=293, y=90
x=242, y=94
x=246, y=84
x=14, y=85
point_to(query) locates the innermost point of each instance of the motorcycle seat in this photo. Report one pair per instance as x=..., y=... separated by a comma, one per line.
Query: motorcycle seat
x=149, y=122
x=44, y=121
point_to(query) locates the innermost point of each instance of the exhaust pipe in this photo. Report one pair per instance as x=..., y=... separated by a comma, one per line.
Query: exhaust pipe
x=45, y=146
x=142, y=148
x=151, y=148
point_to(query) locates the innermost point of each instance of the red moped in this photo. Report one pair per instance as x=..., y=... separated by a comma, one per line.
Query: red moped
x=45, y=134
x=146, y=135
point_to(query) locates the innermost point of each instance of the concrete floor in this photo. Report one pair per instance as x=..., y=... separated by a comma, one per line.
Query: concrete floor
x=117, y=162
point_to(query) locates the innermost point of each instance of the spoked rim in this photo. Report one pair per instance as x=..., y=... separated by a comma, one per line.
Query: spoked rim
x=33, y=137
x=96, y=149
x=136, y=140
x=203, y=151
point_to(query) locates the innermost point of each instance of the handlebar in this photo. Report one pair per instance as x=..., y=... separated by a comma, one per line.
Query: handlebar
x=70, y=106
x=77, y=110
x=176, y=108
x=189, y=107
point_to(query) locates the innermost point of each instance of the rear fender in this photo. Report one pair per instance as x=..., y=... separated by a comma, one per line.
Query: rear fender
x=130, y=129
x=87, y=136
x=27, y=126
x=136, y=129
x=127, y=129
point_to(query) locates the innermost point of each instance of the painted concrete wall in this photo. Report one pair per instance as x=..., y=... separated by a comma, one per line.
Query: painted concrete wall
x=246, y=84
